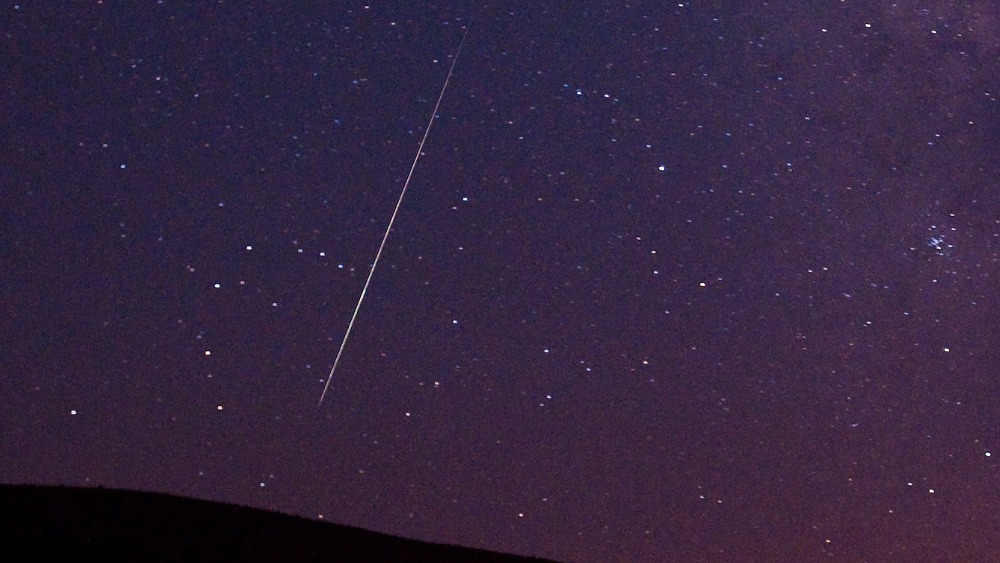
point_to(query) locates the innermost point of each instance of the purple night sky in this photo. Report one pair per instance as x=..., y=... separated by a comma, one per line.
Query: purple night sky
x=672, y=281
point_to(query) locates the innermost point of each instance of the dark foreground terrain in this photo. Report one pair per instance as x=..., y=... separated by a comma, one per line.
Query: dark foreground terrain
x=64, y=524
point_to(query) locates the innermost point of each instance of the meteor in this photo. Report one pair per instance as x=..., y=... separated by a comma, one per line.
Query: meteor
x=392, y=219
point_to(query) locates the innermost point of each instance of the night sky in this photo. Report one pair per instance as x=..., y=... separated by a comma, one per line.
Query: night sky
x=695, y=280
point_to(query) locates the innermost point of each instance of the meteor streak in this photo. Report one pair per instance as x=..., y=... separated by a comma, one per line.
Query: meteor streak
x=392, y=219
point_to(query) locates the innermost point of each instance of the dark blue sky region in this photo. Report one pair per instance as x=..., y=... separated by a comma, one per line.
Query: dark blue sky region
x=672, y=281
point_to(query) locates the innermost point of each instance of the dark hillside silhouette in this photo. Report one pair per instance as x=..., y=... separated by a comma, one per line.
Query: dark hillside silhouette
x=63, y=524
